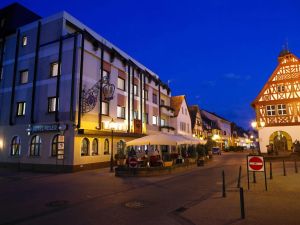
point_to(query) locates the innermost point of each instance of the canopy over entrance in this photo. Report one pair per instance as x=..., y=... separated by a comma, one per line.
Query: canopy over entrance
x=163, y=139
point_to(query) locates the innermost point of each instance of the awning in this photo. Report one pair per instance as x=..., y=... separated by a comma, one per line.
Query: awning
x=163, y=139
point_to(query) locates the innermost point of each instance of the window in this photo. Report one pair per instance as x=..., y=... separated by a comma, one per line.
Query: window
x=121, y=147
x=24, y=77
x=188, y=128
x=121, y=84
x=21, y=107
x=2, y=23
x=154, y=120
x=146, y=95
x=280, y=88
x=154, y=97
x=182, y=126
x=24, y=41
x=162, y=102
x=58, y=142
x=35, y=145
x=1, y=73
x=136, y=115
x=51, y=104
x=163, y=122
x=121, y=112
x=106, y=147
x=105, y=109
x=54, y=69
x=281, y=109
x=182, y=110
x=95, y=147
x=146, y=118
x=85, y=145
x=135, y=90
x=15, y=146
x=185, y=111
x=271, y=110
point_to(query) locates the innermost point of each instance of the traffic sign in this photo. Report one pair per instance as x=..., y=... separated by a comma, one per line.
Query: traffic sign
x=256, y=163
x=133, y=162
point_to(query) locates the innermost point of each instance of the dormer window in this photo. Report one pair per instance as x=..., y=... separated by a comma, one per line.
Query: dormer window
x=24, y=41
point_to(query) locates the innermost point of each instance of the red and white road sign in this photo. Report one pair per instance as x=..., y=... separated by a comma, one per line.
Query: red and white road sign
x=133, y=162
x=256, y=163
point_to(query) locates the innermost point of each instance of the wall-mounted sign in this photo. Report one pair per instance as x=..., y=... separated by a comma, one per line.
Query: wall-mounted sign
x=41, y=128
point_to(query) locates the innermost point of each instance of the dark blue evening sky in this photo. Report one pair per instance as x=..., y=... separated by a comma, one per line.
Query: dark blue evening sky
x=218, y=53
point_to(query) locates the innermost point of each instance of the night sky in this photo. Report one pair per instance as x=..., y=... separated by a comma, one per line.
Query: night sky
x=218, y=53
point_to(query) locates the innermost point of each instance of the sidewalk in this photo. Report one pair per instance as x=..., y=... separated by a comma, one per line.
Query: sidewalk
x=280, y=205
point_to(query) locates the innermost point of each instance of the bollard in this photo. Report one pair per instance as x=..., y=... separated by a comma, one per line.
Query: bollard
x=239, y=178
x=271, y=172
x=284, y=170
x=254, y=177
x=223, y=186
x=242, y=203
x=296, y=166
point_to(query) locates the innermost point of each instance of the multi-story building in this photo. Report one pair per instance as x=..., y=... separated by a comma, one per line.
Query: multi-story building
x=277, y=106
x=56, y=78
x=181, y=120
x=196, y=121
x=217, y=127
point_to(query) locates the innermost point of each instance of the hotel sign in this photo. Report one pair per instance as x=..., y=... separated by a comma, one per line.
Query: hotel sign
x=42, y=128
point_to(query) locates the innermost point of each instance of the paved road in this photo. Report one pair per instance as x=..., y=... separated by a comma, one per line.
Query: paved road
x=97, y=197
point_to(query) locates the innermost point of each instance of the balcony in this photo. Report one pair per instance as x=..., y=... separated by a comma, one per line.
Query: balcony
x=167, y=110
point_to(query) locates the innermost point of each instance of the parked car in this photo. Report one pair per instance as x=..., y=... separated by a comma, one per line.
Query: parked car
x=216, y=150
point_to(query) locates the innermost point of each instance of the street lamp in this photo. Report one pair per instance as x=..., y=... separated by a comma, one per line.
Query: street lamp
x=112, y=125
x=257, y=126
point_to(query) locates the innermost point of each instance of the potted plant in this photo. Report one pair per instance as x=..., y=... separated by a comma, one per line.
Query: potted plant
x=120, y=157
x=201, y=155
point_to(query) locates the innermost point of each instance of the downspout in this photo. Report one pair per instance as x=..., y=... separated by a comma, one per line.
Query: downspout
x=80, y=81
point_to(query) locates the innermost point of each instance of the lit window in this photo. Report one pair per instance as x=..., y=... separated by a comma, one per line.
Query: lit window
x=85, y=144
x=54, y=69
x=15, y=146
x=121, y=112
x=162, y=122
x=95, y=147
x=24, y=77
x=136, y=115
x=281, y=109
x=35, y=145
x=154, y=120
x=21, y=107
x=135, y=90
x=146, y=95
x=106, y=147
x=24, y=41
x=52, y=104
x=154, y=98
x=105, y=109
x=271, y=110
x=121, y=84
x=57, y=144
x=146, y=119
x=162, y=102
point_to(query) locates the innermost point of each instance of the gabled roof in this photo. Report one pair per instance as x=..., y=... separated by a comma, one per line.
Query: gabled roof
x=193, y=109
x=216, y=115
x=208, y=123
x=176, y=102
x=285, y=58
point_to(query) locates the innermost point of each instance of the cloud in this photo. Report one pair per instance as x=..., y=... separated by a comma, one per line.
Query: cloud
x=208, y=83
x=234, y=76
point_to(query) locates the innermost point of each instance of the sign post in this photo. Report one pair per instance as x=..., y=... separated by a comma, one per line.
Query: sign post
x=256, y=164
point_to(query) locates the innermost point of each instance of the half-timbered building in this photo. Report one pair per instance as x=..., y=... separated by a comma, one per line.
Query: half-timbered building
x=277, y=106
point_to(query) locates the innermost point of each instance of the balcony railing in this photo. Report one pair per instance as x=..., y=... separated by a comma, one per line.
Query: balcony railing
x=167, y=110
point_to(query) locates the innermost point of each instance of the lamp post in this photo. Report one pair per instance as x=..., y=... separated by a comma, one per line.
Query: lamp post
x=112, y=127
x=258, y=126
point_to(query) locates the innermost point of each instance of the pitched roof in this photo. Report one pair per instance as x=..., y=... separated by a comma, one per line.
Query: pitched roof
x=176, y=102
x=193, y=109
x=216, y=115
